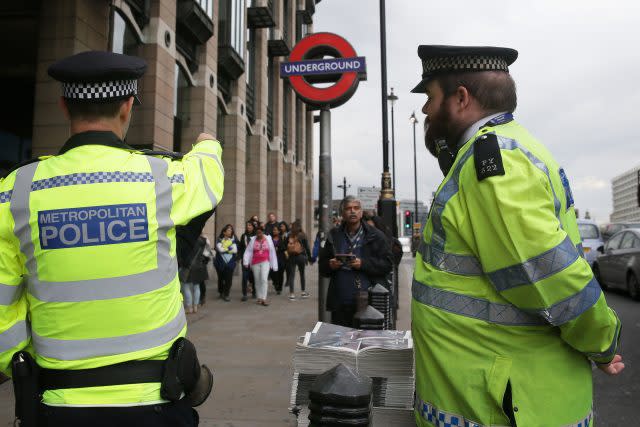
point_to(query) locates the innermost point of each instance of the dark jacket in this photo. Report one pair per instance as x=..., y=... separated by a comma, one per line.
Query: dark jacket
x=281, y=249
x=377, y=260
x=302, y=238
x=189, y=248
x=242, y=244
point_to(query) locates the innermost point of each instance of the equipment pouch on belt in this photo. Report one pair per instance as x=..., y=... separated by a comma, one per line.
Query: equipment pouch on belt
x=184, y=374
x=25, y=374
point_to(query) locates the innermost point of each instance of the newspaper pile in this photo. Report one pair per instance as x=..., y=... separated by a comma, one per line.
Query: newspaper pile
x=384, y=355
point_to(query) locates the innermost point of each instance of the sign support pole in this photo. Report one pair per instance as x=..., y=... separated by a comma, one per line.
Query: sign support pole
x=325, y=202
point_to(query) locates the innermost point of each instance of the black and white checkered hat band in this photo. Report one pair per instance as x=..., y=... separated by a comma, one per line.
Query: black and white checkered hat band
x=101, y=90
x=464, y=63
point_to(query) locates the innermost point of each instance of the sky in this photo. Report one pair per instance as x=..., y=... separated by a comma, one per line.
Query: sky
x=576, y=76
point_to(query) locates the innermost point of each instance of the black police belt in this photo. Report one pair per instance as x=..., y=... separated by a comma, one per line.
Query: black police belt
x=180, y=376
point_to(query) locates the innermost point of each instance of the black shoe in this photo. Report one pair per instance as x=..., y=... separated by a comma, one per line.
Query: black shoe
x=244, y=298
x=278, y=292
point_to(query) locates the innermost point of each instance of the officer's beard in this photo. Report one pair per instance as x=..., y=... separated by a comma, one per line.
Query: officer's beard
x=440, y=128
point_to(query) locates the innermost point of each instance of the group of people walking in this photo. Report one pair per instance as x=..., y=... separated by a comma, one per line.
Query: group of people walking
x=271, y=250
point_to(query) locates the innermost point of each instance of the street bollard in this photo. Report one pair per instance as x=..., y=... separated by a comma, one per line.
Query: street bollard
x=340, y=397
x=380, y=299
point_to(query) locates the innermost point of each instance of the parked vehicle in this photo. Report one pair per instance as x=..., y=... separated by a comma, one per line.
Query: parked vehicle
x=591, y=239
x=609, y=230
x=618, y=265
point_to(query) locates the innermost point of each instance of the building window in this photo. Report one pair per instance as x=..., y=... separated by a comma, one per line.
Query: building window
x=123, y=38
x=250, y=73
x=232, y=26
x=180, y=107
x=270, y=89
x=206, y=6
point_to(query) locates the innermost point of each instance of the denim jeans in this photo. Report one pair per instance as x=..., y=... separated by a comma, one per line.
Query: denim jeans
x=190, y=293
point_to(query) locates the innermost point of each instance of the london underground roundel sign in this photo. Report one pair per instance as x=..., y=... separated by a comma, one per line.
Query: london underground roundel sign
x=307, y=65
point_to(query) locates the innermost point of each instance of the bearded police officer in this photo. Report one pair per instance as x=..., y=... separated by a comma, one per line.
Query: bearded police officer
x=506, y=313
x=91, y=319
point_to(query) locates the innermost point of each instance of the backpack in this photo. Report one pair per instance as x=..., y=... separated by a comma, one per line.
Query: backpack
x=294, y=247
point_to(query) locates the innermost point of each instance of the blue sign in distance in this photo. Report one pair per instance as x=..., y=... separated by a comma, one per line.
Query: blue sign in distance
x=323, y=66
x=93, y=226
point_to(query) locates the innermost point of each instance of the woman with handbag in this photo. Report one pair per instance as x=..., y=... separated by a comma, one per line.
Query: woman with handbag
x=192, y=272
x=225, y=260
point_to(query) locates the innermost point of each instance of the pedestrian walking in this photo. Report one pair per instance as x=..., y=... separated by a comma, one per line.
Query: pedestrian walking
x=248, y=283
x=506, y=314
x=225, y=261
x=271, y=223
x=261, y=256
x=90, y=291
x=297, y=255
x=281, y=249
x=208, y=254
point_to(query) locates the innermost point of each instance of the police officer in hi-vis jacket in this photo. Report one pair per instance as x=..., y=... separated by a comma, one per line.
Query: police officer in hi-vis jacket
x=92, y=325
x=507, y=317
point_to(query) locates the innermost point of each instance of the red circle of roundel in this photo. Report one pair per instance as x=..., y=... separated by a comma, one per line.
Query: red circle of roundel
x=323, y=95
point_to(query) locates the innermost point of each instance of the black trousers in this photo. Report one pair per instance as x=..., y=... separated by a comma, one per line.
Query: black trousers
x=278, y=278
x=224, y=281
x=247, y=277
x=174, y=414
x=203, y=292
x=296, y=261
x=343, y=315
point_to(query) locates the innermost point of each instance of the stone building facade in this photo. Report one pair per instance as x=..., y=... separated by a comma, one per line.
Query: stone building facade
x=213, y=66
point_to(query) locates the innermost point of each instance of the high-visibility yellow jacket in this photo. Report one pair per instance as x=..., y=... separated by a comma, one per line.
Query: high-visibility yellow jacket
x=88, y=271
x=502, y=296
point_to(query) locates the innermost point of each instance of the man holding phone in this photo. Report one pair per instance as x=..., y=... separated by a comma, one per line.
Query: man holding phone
x=355, y=257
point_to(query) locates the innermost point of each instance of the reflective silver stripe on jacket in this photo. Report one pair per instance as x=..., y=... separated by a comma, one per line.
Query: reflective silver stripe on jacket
x=213, y=156
x=440, y=418
x=580, y=249
x=507, y=314
x=467, y=265
x=482, y=309
x=535, y=269
x=97, y=347
x=573, y=306
x=212, y=197
x=9, y=294
x=105, y=288
x=13, y=336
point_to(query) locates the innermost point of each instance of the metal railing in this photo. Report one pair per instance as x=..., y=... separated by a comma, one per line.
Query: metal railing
x=251, y=101
x=270, y=122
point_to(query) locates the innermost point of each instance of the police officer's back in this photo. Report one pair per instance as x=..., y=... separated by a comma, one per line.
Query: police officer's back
x=88, y=273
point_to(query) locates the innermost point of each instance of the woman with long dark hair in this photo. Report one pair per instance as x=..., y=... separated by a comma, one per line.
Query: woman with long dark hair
x=281, y=248
x=247, y=275
x=298, y=254
x=225, y=261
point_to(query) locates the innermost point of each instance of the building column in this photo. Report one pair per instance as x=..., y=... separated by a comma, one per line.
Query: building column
x=66, y=27
x=152, y=121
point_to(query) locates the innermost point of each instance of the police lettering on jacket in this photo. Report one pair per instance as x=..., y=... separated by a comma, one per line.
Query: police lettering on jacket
x=93, y=225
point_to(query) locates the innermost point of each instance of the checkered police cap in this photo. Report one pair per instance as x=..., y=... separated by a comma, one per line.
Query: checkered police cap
x=98, y=76
x=101, y=91
x=438, y=59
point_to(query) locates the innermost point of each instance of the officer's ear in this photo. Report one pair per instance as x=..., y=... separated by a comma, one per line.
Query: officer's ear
x=462, y=98
x=63, y=106
x=125, y=109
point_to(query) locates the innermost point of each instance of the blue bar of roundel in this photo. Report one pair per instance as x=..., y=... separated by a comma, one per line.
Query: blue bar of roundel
x=323, y=66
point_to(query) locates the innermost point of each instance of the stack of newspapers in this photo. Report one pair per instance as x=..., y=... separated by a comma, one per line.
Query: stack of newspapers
x=384, y=355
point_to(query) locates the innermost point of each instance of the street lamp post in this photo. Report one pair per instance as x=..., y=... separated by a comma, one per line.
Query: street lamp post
x=392, y=98
x=414, y=121
x=344, y=187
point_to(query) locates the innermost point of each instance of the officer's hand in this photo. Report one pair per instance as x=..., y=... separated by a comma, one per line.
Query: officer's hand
x=355, y=263
x=204, y=137
x=614, y=367
x=334, y=264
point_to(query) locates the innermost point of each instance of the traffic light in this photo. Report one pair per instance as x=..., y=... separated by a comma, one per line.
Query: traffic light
x=407, y=220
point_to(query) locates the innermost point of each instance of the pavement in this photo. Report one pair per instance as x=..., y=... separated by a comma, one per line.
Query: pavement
x=250, y=349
